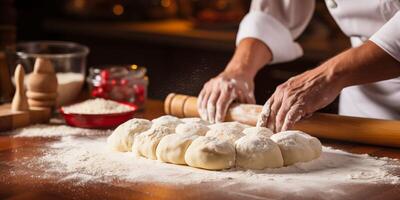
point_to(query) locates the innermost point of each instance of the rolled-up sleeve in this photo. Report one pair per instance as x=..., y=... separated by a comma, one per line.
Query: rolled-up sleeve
x=277, y=23
x=388, y=37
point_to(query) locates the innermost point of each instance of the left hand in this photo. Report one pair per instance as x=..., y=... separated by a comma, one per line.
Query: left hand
x=312, y=90
x=298, y=97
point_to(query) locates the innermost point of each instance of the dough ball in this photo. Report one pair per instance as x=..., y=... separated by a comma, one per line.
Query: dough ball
x=315, y=144
x=195, y=120
x=166, y=120
x=145, y=144
x=258, y=131
x=191, y=129
x=210, y=153
x=226, y=131
x=233, y=125
x=172, y=148
x=297, y=146
x=122, y=137
x=257, y=152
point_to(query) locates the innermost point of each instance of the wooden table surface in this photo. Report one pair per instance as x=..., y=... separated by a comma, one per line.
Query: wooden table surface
x=21, y=184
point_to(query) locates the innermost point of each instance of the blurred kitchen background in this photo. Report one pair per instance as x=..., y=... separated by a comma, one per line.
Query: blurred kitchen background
x=182, y=43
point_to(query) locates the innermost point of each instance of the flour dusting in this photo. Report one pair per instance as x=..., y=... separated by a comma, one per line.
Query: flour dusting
x=84, y=160
x=46, y=131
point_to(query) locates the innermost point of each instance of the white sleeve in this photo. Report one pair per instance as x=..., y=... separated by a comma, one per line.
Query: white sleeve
x=388, y=37
x=277, y=23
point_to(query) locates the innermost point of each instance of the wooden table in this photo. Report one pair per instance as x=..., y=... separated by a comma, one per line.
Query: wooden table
x=25, y=186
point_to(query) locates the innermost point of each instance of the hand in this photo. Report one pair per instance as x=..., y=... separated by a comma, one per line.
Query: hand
x=236, y=82
x=219, y=92
x=298, y=97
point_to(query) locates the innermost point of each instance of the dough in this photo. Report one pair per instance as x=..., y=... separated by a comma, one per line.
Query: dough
x=191, y=128
x=195, y=120
x=234, y=125
x=230, y=131
x=210, y=153
x=172, y=148
x=255, y=151
x=258, y=131
x=145, y=144
x=297, y=146
x=166, y=120
x=122, y=137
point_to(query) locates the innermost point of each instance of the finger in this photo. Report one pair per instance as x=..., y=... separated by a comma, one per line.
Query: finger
x=199, y=103
x=248, y=93
x=204, y=105
x=225, y=99
x=239, y=91
x=276, y=104
x=287, y=103
x=263, y=117
x=240, y=96
x=250, y=98
x=293, y=115
x=211, y=109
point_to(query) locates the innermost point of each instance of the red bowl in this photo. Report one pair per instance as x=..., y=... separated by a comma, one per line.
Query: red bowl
x=101, y=121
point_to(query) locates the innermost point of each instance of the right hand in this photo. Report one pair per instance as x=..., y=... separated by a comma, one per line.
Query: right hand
x=219, y=92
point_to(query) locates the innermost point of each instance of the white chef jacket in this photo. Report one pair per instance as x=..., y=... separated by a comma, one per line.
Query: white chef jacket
x=278, y=23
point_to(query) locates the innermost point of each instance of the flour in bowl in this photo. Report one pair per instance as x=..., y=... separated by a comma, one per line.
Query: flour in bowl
x=97, y=106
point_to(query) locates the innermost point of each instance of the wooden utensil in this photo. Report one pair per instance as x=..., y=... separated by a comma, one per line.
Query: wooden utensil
x=20, y=101
x=41, y=103
x=42, y=85
x=41, y=96
x=330, y=126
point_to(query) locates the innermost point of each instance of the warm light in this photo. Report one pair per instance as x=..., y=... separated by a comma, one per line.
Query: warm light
x=134, y=67
x=118, y=9
x=79, y=4
x=222, y=4
x=165, y=3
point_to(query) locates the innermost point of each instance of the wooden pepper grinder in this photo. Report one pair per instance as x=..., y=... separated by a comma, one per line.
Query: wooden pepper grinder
x=20, y=101
x=42, y=85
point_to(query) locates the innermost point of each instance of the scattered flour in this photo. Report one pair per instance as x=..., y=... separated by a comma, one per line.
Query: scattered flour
x=90, y=160
x=86, y=160
x=97, y=106
x=46, y=131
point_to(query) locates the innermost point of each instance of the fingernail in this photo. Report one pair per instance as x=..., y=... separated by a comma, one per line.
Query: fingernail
x=212, y=118
x=218, y=118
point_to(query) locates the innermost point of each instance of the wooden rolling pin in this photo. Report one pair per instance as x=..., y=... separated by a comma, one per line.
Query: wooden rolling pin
x=330, y=126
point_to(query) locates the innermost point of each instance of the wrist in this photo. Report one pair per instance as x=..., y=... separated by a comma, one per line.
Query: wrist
x=336, y=73
x=240, y=69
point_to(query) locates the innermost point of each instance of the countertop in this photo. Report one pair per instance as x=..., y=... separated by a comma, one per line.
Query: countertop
x=22, y=185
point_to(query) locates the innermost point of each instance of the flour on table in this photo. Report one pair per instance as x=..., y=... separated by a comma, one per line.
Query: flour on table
x=47, y=131
x=87, y=160
x=97, y=106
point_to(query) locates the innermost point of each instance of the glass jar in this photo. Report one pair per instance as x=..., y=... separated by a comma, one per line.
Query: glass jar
x=126, y=84
x=68, y=59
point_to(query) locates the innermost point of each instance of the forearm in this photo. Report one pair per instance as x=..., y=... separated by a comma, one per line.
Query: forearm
x=365, y=64
x=250, y=56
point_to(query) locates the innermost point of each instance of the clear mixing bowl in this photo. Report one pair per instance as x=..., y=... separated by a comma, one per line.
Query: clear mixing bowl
x=68, y=59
